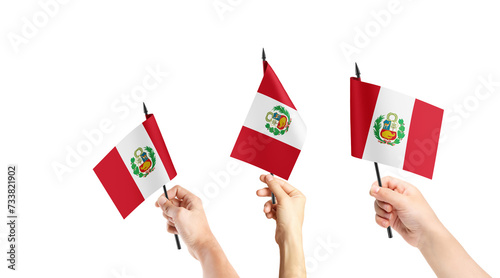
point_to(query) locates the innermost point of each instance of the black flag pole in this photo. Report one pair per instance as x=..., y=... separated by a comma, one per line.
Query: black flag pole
x=389, y=230
x=177, y=241
x=273, y=198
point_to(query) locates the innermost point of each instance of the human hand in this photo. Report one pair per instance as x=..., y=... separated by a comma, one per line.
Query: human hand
x=289, y=209
x=289, y=215
x=185, y=216
x=401, y=205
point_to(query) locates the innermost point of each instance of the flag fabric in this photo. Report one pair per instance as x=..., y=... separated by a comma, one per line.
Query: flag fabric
x=394, y=129
x=136, y=167
x=273, y=133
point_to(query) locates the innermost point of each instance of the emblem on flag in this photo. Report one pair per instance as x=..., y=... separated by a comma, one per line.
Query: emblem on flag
x=278, y=120
x=141, y=163
x=389, y=131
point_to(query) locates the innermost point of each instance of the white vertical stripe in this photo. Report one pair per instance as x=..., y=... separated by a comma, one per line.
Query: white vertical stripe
x=389, y=101
x=256, y=120
x=126, y=148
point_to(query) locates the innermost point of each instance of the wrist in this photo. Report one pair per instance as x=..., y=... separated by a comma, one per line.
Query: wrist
x=288, y=236
x=432, y=235
x=292, y=261
x=206, y=247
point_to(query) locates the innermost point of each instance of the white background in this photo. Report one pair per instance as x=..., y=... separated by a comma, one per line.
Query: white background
x=64, y=79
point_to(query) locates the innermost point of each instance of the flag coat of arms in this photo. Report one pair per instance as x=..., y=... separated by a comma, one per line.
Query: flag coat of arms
x=136, y=167
x=394, y=129
x=273, y=133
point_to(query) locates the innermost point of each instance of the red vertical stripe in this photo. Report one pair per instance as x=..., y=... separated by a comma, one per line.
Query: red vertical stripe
x=423, y=139
x=271, y=87
x=155, y=135
x=363, y=100
x=118, y=182
x=265, y=152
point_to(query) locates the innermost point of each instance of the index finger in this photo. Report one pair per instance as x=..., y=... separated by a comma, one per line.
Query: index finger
x=289, y=189
x=173, y=201
x=392, y=183
x=179, y=192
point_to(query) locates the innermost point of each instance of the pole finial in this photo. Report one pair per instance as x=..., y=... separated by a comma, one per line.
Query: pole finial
x=263, y=54
x=358, y=74
x=145, y=109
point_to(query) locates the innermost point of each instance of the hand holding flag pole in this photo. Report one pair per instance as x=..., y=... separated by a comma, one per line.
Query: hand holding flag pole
x=177, y=241
x=389, y=230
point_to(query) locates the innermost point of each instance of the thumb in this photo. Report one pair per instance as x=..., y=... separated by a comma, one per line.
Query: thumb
x=387, y=195
x=275, y=186
x=168, y=207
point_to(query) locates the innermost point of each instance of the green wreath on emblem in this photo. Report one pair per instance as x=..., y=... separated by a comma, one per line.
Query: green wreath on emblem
x=135, y=168
x=378, y=125
x=274, y=130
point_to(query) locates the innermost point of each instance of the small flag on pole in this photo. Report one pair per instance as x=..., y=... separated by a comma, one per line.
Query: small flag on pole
x=393, y=128
x=273, y=133
x=136, y=167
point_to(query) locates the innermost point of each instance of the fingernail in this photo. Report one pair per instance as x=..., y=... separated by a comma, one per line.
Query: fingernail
x=377, y=189
x=269, y=178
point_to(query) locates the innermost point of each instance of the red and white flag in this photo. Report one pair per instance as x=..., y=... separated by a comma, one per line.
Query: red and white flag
x=273, y=133
x=394, y=129
x=136, y=167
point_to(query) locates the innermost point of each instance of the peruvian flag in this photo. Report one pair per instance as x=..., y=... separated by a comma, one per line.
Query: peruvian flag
x=394, y=129
x=273, y=133
x=136, y=167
